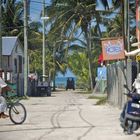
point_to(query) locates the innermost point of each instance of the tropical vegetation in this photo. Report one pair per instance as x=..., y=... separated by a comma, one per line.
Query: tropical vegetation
x=76, y=21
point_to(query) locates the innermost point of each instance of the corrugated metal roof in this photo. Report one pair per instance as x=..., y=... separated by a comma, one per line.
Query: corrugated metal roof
x=8, y=44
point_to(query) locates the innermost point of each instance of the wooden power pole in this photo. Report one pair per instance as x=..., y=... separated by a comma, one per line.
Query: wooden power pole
x=25, y=49
x=0, y=34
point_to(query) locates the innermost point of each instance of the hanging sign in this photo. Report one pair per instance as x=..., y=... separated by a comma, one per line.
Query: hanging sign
x=113, y=49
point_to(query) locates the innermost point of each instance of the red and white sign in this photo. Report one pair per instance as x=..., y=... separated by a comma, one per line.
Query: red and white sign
x=113, y=49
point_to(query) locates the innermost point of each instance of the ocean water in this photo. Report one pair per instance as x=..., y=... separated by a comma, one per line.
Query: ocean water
x=61, y=81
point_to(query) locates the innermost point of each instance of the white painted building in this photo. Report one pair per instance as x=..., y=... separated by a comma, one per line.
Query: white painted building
x=12, y=60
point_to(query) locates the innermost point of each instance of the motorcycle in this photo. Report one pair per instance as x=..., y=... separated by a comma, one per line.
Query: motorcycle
x=130, y=116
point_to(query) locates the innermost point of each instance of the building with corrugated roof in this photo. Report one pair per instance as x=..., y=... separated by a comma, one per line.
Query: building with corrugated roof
x=12, y=54
x=12, y=60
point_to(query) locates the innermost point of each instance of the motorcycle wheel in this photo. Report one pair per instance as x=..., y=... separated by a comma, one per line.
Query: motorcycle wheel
x=135, y=126
x=127, y=127
x=130, y=126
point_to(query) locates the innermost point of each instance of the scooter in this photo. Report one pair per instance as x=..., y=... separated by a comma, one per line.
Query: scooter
x=130, y=116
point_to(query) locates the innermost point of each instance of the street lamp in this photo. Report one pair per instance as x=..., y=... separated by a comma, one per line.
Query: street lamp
x=43, y=47
x=44, y=18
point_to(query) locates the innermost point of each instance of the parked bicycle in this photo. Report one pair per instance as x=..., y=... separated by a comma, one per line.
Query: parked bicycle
x=17, y=111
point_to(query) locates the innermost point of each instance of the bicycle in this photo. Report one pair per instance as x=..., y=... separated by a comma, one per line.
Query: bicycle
x=17, y=111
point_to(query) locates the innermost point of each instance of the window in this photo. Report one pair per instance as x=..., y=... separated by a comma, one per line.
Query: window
x=20, y=63
x=15, y=63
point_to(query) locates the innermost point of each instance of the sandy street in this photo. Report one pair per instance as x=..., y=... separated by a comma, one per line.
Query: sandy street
x=66, y=115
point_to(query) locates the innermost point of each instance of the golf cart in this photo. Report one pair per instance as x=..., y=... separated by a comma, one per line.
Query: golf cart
x=43, y=87
x=70, y=83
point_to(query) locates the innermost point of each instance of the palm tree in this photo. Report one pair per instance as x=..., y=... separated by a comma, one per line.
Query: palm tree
x=35, y=35
x=69, y=16
x=13, y=26
x=117, y=26
x=79, y=65
x=35, y=61
x=58, y=57
x=78, y=62
x=12, y=13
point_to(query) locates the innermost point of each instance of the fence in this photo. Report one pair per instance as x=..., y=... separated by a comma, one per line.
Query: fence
x=118, y=74
x=100, y=86
x=115, y=81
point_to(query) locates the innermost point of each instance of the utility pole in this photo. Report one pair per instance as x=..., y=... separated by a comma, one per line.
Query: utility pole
x=43, y=49
x=28, y=18
x=89, y=57
x=54, y=51
x=25, y=49
x=127, y=25
x=0, y=34
x=127, y=43
x=126, y=3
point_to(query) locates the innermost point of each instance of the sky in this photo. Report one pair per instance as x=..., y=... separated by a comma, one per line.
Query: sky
x=35, y=10
x=36, y=7
x=67, y=74
x=101, y=7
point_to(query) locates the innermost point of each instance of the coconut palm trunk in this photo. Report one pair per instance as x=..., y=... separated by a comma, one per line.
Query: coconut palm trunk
x=88, y=38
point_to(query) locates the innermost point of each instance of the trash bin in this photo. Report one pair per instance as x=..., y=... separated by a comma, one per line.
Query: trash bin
x=43, y=88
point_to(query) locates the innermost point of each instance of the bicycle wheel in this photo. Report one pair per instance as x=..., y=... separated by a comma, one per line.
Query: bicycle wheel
x=17, y=113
